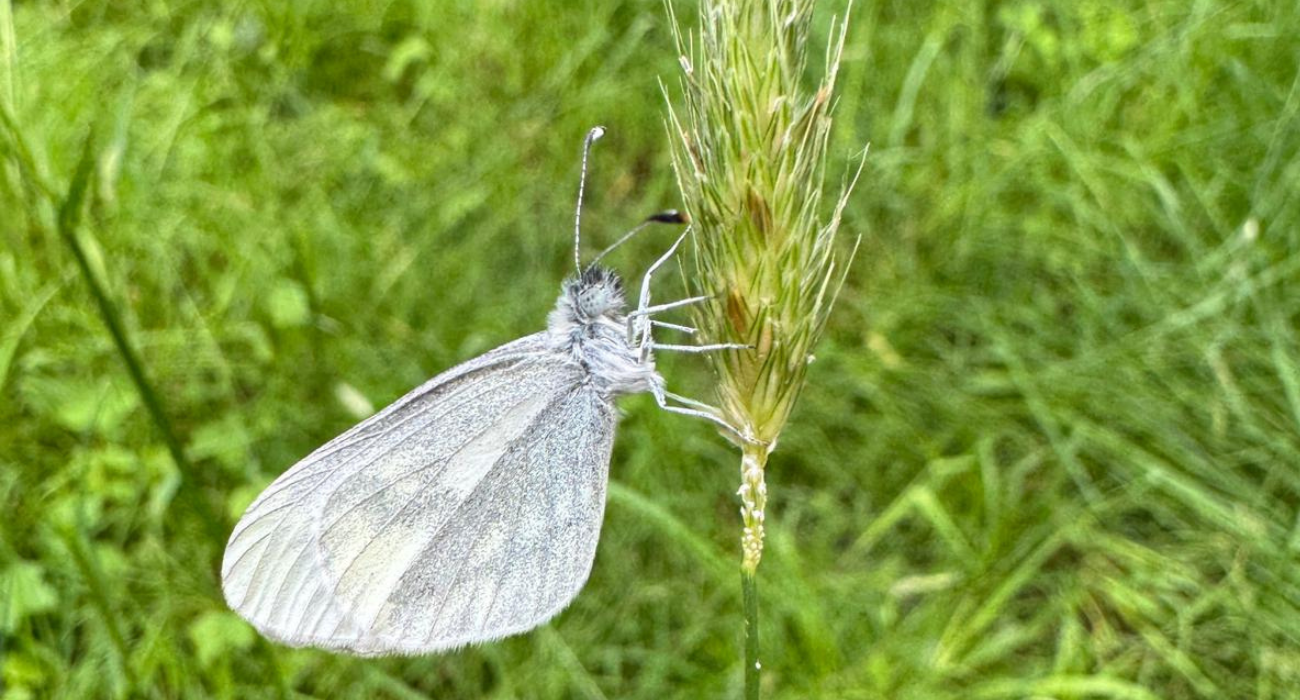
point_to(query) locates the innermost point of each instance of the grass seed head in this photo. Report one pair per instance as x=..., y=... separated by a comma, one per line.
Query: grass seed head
x=749, y=151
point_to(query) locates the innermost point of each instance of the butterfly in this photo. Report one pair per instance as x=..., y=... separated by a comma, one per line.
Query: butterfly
x=470, y=509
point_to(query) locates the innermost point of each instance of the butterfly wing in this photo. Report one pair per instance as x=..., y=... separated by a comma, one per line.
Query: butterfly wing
x=466, y=511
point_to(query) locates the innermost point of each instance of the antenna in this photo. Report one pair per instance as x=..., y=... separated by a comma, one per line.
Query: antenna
x=670, y=216
x=592, y=136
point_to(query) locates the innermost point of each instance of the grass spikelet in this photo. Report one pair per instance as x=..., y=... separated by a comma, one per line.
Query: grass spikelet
x=750, y=144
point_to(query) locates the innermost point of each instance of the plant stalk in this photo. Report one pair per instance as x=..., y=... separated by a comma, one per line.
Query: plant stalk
x=753, y=669
x=749, y=149
x=67, y=222
x=753, y=499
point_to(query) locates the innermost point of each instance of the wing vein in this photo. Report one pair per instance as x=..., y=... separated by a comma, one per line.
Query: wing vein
x=440, y=411
x=407, y=504
x=461, y=566
x=383, y=489
x=251, y=547
x=331, y=449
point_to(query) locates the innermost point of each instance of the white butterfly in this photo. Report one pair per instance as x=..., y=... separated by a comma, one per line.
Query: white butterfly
x=470, y=509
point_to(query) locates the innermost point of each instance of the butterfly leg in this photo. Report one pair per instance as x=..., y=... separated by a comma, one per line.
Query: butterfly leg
x=690, y=402
x=639, y=324
x=643, y=301
x=639, y=327
x=636, y=321
x=701, y=348
x=674, y=327
x=696, y=409
x=647, y=311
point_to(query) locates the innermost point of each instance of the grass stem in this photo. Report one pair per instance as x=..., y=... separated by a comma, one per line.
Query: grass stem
x=753, y=499
x=67, y=223
x=753, y=669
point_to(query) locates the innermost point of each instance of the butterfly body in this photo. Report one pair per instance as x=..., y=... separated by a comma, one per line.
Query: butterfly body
x=466, y=511
x=589, y=322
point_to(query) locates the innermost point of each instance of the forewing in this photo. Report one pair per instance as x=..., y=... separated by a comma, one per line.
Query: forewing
x=339, y=551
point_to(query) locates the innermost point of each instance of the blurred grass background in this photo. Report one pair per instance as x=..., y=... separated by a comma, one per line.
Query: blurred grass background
x=1050, y=448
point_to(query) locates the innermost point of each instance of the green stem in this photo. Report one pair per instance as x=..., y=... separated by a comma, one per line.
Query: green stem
x=749, y=589
x=69, y=219
x=753, y=501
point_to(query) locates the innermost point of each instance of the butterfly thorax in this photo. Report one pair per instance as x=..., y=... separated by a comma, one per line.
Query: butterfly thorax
x=590, y=323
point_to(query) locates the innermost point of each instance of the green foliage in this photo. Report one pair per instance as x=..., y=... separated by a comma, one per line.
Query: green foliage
x=1049, y=446
x=25, y=593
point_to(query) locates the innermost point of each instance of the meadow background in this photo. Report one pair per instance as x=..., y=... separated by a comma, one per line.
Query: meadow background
x=1050, y=447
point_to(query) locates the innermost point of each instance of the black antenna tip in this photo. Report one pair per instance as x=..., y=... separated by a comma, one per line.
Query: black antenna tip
x=670, y=216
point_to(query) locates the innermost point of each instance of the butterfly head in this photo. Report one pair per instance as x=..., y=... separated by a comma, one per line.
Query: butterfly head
x=596, y=293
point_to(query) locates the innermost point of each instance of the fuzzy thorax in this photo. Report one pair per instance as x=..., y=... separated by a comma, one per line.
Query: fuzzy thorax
x=590, y=322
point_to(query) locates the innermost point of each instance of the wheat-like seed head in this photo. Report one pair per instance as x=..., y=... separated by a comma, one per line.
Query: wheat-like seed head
x=750, y=156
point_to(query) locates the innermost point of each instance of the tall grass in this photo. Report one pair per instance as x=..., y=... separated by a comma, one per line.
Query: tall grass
x=1052, y=446
x=749, y=150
